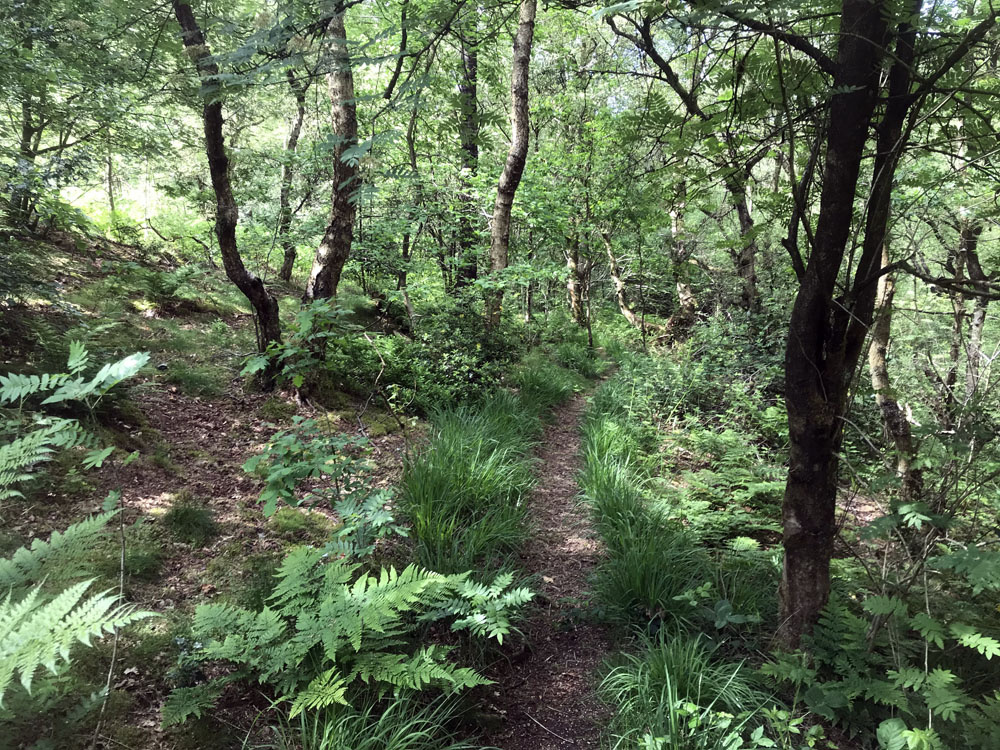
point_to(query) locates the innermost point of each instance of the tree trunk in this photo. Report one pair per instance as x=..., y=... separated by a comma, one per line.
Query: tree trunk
x=514, y=168
x=466, y=266
x=893, y=417
x=287, y=174
x=616, y=278
x=227, y=212
x=335, y=247
x=574, y=280
x=969, y=241
x=20, y=196
x=818, y=362
x=746, y=256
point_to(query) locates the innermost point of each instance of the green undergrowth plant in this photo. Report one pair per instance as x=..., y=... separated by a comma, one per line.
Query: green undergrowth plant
x=189, y=520
x=692, y=600
x=330, y=630
x=465, y=493
x=409, y=721
x=675, y=694
x=308, y=466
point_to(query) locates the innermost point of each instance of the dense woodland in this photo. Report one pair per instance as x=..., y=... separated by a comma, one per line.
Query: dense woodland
x=424, y=374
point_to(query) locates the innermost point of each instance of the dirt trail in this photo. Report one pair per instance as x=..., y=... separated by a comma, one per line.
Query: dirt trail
x=548, y=698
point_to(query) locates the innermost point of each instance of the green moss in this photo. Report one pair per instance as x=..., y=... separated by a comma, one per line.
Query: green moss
x=302, y=526
x=245, y=580
x=277, y=409
x=379, y=423
x=189, y=520
x=143, y=555
x=198, y=380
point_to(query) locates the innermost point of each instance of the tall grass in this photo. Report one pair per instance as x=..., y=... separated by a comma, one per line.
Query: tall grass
x=673, y=695
x=404, y=723
x=465, y=494
x=658, y=580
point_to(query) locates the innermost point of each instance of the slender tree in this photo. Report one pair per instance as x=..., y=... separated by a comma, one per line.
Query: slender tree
x=227, y=211
x=510, y=178
x=335, y=247
x=298, y=88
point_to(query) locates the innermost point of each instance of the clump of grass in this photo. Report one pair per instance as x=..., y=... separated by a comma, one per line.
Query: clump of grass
x=465, y=494
x=676, y=691
x=543, y=384
x=189, y=520
x=407, y=722
x=580, y=359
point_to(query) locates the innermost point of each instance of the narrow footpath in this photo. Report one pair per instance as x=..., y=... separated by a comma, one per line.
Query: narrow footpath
x=548, y=698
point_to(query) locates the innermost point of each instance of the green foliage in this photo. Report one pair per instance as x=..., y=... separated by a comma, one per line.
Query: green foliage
x=39, y=629
x=190, y=520
x=36, y=633
x=867, y=675
x=60, y=557
x=337, y=476
x=465, y=493
x=405, y=722
x=304, y=348
x=329, y=627
x=674, y=695
x=579, y=358
x=543, y=384
x=36, y=436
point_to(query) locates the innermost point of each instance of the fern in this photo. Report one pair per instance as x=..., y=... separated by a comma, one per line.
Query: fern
x=52, y=559
x=24, y=453
x=36, y=634
x=330, y=625
x=485, y=610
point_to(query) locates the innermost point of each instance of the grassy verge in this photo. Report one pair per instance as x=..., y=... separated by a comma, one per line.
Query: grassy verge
x=465, y=493
x=689, y=609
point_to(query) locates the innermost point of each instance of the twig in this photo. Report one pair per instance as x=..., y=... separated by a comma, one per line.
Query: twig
x=114, y=647
x=554, y=734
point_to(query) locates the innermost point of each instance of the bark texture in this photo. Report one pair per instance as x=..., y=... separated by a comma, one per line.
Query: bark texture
x=621, y=294
x=287, y=174
x=466, y=267
x=819, y=357
x=335, y=247
x=510, y=178
x=894, y=419
x=574, y=281
x=227, y=212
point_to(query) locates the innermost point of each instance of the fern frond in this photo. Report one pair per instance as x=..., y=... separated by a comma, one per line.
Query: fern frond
x=51, y=558
x=326, y=690
x=36, y=634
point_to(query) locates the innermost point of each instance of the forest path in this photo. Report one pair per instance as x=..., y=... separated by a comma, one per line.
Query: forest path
x=548, y=698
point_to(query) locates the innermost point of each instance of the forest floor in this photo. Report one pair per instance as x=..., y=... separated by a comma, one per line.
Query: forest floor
x=548, y=699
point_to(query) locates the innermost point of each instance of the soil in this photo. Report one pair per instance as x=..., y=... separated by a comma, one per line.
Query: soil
x=547, y=697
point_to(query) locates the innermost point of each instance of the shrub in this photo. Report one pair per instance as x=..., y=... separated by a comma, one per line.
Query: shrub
x=330, y=628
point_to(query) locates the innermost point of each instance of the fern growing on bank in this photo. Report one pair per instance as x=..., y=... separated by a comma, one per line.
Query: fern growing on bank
x=329, y=627
x=39, y=629
x=35, y=633
x=27, y=449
